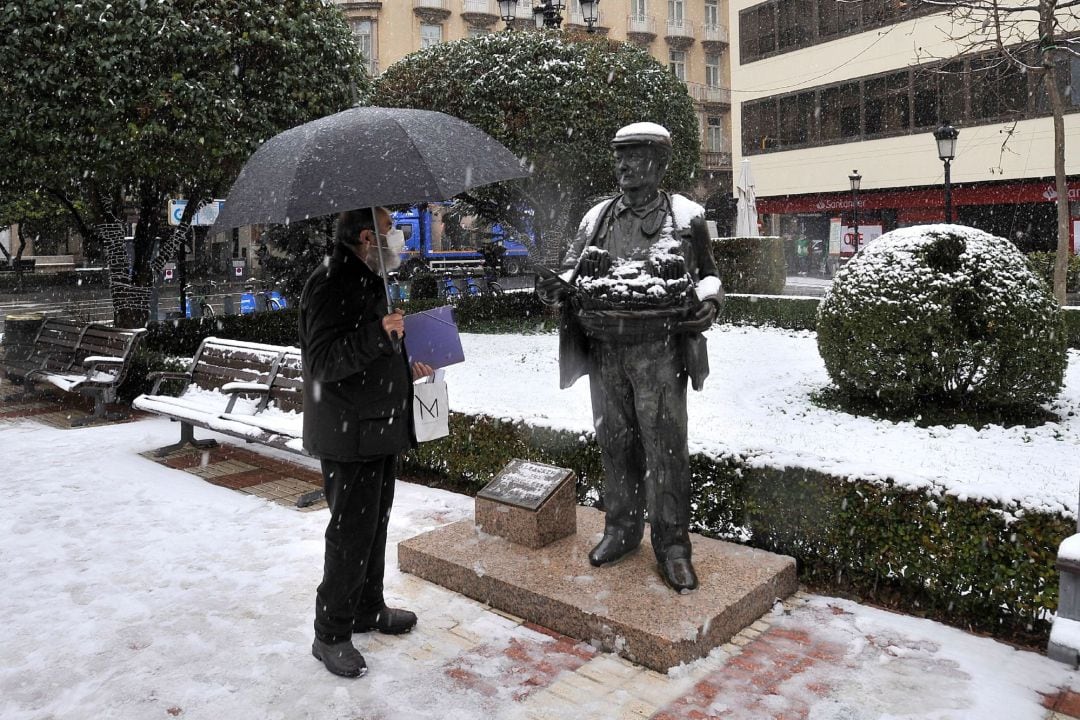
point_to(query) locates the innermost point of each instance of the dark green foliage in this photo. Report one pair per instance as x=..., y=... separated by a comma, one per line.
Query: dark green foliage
x=952, y=319
x=182, y=337
x=790, y=313
x=561, y=120
x=142, y=364
x=957, y=561
x=1042, y=264
x=36, y=280
x=425, y=286
x=507, y=313
x=1071, y=316
x=751, y=264
x=289, y=254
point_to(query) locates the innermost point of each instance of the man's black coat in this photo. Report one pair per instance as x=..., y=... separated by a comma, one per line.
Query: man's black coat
x=357, y=389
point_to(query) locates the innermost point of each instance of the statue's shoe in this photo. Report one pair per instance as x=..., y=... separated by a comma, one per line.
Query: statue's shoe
x=679, y=574
x=613, y=546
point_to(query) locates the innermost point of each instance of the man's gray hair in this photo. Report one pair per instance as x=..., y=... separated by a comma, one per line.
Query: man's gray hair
x=351, y=223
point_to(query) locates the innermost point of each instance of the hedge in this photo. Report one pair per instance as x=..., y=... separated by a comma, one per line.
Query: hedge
x=958, y=561
x=751, y=264
x=11, y=281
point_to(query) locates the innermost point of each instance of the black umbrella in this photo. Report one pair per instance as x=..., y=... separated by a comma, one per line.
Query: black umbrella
x=364, y=157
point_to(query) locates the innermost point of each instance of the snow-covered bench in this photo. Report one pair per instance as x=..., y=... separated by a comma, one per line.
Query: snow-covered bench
x=251, y=391
x=89, y=359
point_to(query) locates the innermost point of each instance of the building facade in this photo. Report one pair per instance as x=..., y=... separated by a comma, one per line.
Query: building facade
x=689, y=36
x=826, y=88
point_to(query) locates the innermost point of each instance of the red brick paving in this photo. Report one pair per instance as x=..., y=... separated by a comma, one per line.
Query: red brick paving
x=523, y=666
x=765, y=678
x=265, y=470
x=1065, y=702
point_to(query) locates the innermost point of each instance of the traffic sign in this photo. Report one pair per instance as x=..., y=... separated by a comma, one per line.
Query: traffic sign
x=205, y=215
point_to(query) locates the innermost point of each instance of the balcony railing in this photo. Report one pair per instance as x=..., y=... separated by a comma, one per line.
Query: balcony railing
x=485, y=7
x=641, y=24
x=433, y=4
x=716, y=159
x=524, y=10
x=576, y=18
x=680, y=27
x=714, y=33
x=709, y=94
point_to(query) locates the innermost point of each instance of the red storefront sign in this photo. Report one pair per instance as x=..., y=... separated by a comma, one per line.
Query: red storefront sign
x=1009, y=193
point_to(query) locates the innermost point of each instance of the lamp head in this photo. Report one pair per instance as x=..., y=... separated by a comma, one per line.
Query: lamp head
x=945, y=136
x=856, y=180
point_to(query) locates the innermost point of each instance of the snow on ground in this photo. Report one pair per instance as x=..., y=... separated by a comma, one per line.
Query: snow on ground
x=756, y=403
x=131, y=590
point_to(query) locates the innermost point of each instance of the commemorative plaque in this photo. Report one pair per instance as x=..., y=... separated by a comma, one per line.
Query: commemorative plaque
x=529, y=503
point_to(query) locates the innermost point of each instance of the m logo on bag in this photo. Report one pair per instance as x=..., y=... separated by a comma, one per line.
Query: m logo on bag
x=428, y=411
x=431, y=417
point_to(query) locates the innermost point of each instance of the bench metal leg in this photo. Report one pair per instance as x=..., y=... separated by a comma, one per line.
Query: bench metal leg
x=99, y=413
x=310, y=498
x=187, y=437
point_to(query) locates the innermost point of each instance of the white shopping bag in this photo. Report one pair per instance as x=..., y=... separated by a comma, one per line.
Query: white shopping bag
x=431, y=412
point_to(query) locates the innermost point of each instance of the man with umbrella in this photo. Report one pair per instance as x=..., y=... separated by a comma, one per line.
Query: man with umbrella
x=640, y=288
x=357, y=418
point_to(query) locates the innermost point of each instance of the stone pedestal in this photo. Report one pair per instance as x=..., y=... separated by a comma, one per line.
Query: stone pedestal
x=1064, y=644
x=553, y=519
x=623, y=608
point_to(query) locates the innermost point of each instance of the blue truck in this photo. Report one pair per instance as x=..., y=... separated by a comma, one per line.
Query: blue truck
x=432, y=244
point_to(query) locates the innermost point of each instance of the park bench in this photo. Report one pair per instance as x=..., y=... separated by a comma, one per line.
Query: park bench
x=250, y=391
x=85, y=358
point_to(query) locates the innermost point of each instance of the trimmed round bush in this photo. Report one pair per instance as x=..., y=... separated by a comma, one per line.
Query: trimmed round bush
x=943, y=315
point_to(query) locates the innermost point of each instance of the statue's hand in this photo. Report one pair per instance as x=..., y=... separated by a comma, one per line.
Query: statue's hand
x=594, y=262
x=551, y=290
x=672, y=268
x=700, y=319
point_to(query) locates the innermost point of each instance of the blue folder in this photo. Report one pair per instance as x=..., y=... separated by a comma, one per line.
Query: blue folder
x=432, y=337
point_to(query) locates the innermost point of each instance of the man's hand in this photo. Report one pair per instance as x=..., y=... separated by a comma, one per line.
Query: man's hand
x=394, y=323
x=421, y=370
x=701, y=319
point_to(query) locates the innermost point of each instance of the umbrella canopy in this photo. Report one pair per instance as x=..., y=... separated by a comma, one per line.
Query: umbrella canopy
x=364, y=157
x=746, y=220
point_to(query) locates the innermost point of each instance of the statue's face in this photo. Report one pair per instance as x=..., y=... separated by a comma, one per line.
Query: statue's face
x=638, y=167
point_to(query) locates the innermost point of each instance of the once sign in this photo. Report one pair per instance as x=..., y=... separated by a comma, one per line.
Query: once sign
x=525, y=484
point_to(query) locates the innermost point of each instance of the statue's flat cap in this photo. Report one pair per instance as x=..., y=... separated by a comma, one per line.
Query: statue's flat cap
x=642, y=133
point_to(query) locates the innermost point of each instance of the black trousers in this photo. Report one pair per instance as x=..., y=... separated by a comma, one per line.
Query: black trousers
x=639, y=411
x=360, y=495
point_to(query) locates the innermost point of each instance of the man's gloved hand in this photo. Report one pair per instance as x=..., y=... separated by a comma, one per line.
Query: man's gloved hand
x=594, y=262
x=700, y=319
x=551, y=290
x=672, y=268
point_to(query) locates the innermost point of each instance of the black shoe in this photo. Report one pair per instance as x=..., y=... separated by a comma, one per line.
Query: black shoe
x=613, y=546
x=388, y=621
x=340, y=658
x=679, y=574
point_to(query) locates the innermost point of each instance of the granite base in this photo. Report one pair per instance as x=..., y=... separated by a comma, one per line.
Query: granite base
x=623, y=608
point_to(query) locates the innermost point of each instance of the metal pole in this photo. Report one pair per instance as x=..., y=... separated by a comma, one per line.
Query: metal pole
x=855, y=216
x=948, y=193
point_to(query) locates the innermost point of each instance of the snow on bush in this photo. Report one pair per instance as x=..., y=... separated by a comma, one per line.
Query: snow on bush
x=942, y=314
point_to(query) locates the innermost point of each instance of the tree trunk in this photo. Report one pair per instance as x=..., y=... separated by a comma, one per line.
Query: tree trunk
x=1057, y=108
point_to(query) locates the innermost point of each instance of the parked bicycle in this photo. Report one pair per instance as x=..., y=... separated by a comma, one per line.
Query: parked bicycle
x=487, y=285
x=449, y=290
x=197, y=306
x=252, y=300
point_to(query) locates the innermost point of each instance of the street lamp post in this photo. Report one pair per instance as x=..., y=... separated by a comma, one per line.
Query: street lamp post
x=945, y=137
x=548, y=15
x=855, y=179
x=589, y=10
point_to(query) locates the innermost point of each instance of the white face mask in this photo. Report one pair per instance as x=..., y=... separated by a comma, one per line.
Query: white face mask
x=395, y=240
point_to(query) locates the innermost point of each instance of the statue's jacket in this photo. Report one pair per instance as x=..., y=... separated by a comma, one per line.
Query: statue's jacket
x=636, y=296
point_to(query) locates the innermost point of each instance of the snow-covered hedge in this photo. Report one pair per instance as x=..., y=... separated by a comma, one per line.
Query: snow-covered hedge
x=945, y=315
x=973, y=564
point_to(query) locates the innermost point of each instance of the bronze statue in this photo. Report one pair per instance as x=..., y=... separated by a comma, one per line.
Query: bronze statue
x=639, y=288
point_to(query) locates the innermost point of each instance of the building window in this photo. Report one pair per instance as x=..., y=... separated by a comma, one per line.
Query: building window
x=998, y=88
x=840, y=112
x=712, y=70
x=759, y=129
x=714, y=134
x=888, y=105
x=675, y=10
x=638, y=8
x=430, y=35
x=474, y=31
x=712, y=13
x=362, y=31
x=797, y=119
x=677, y=63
